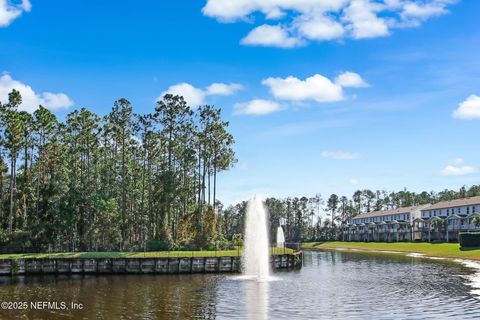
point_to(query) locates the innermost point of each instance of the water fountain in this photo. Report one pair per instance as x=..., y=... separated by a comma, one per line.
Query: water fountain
x=256, y=256
x=280, y=237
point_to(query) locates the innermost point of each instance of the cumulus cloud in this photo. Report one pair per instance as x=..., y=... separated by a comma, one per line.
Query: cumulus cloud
x=351, y=79
x=362, y=21
x=340, y=155
x=423, y=11
x=457, y=167
x=196, y=97
x=468, y=109
x=452, y=170
x=300, y=21
x=9, y=12
x=257, y=107
x=317, y=87
x=270, y=36
x=319, y=28
x=193, y=96
x=30, y=99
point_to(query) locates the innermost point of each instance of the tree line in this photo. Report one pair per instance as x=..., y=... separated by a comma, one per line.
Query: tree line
x=319, y=219
x=113, y=182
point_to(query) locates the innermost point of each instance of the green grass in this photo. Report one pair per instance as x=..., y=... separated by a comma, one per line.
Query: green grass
x=445, y=250
x=156, y=254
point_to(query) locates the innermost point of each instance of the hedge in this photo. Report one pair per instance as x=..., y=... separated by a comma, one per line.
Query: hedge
x=469, y=239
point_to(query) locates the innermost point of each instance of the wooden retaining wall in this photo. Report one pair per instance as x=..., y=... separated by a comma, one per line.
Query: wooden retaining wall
x=139, y=265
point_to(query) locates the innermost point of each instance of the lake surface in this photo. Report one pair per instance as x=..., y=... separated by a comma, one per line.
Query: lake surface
x=332, y=284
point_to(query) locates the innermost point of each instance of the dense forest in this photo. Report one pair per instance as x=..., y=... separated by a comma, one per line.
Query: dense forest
x=129, y=181
x=113, y=182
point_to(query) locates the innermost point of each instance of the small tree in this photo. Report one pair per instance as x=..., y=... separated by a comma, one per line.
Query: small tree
x=476, y=221
x=237, y=240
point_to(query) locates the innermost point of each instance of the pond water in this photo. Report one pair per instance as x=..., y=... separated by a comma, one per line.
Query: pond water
x=332, y=284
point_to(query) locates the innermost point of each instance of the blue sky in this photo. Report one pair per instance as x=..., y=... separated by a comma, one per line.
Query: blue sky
x=323, y=96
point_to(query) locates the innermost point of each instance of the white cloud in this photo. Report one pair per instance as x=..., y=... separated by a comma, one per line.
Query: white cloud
x=316, y=87
x=468, y=109
x=257, y=107
x=196, y=97
x=354, y=182
x=223, y=89
x=351, y=79
x=340, y=155
x=457, y=167
x=299, y=21
x=193, y=96
x=362, y=20
x=425, y=10
x=451, y=170
x=232, y=10
x=9, y=12
x=270, y=36
x=30, y=99
x=319, y=28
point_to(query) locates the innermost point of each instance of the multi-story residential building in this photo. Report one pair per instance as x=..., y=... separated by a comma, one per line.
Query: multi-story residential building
x=386, y=225
x=438, y=222
x=444, y=220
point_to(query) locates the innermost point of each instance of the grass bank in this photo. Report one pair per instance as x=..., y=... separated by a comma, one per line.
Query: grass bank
x=156, y=254
x=443, y=250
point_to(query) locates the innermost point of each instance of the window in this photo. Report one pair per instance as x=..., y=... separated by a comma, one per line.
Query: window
x=473, y=209
x=459, y=210
x=468, y=210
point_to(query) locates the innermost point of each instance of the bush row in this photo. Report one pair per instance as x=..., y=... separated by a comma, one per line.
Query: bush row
x=469, y=239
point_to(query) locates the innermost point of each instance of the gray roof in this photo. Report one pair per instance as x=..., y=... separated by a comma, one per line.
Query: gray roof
x=455, y=203
x=380, y=213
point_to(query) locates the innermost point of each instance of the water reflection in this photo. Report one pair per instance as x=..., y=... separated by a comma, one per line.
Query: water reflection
x=341, y=285
x=256, y=300
x=473, y=279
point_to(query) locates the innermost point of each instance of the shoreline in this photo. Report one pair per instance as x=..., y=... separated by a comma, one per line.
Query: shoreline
x=172, y=265
x=423, y=249
x=137, y=254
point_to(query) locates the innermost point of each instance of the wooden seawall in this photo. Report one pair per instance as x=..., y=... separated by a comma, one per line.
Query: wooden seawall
x=139, y=265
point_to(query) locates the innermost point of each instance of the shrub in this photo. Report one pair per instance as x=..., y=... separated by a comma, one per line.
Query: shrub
x=158, y=245
x=210, y=247
x=189, y=247
x=469, y=239
x=16, y=242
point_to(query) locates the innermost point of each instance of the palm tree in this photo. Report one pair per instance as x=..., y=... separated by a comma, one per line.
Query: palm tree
x=438, y=225
x=476, y=221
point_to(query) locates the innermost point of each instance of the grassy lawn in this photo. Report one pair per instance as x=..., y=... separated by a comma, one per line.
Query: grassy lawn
x=446, y=250
x=156, y=254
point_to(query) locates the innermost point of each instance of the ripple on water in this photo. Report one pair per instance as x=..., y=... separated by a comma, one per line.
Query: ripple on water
x=342, y=285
